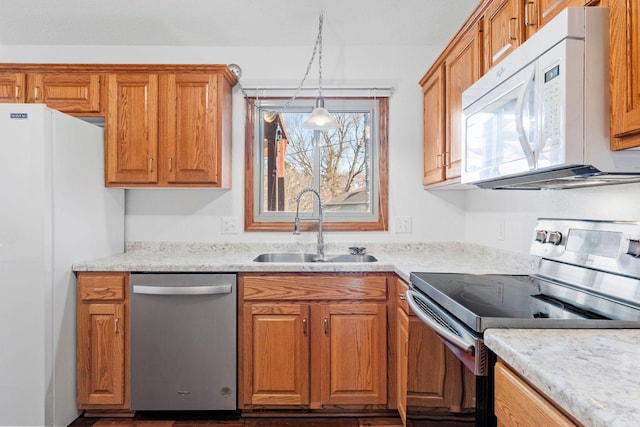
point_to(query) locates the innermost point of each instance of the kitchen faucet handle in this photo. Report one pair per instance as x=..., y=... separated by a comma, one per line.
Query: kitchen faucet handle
x=357, y=250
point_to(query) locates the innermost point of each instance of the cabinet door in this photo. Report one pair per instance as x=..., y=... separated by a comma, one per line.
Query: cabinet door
x=70, y=93
x=276, y=354
x=539, y=12
x=625, y=73
x=433, y=114
x=131, y=131
x=434, y=373
x=101, y=354
x=189, y=128
x=353, y=353
x=517, y=404
x=12, y=87
x=403, y=363
x=463, y=67
x=502, y=30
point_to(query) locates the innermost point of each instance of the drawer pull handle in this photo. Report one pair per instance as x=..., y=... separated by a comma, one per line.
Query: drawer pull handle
x=150, y=164
x=36, y=92
x=512, y=21
x=304, y=326
x=17, y=92
x=100, y=289
x=402, y=297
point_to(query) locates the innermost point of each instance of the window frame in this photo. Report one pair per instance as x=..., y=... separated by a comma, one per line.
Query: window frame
x=251, y=223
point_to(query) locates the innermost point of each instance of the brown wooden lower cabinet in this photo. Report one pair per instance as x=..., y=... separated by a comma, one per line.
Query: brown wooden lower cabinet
x=315, y=340
x=430, y=377
x=103, y=347
x=518, y=404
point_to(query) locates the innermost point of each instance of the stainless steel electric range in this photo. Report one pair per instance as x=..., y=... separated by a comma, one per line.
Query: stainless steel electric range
x=588, y=277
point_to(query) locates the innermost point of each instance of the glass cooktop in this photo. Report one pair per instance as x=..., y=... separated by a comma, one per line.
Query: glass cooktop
x=493, y=300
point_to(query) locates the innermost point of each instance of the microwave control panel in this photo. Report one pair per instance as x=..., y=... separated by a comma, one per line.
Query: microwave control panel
x=552, y=101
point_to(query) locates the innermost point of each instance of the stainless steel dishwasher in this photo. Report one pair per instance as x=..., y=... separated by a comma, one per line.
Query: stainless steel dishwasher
x=183, y=341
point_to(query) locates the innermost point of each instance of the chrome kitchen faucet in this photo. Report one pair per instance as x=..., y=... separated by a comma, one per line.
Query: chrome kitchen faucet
x=296, y=222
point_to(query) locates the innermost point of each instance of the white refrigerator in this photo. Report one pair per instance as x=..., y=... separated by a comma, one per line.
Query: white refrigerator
x=54, y=212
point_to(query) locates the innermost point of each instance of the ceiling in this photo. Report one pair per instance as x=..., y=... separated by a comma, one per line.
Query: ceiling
x=230, y=22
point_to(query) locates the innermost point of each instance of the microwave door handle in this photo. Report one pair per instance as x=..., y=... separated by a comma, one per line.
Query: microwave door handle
x=522, y=135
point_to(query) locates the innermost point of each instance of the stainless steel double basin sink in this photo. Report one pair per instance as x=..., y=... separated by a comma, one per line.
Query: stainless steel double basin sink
x=307, y=257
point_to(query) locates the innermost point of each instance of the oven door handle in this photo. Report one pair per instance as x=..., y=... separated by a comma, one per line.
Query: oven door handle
x=434, y=324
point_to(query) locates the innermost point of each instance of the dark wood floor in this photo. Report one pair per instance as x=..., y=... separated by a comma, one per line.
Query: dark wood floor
x=236, y=421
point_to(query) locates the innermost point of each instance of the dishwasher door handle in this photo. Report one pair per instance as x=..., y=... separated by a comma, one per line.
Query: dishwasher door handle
x=182, y=290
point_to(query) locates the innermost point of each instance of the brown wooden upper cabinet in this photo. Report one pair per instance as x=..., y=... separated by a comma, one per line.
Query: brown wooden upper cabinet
x=625, y=73
x=538, y=12
x=168, y=129
x=442, y=89
x=503, y=30
x=73, y=93
x=433, y=114
x=131, y=133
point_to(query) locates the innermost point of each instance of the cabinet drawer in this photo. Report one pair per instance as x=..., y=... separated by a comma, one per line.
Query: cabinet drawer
x=314, y=286
x=101, y=286
x=519, y=404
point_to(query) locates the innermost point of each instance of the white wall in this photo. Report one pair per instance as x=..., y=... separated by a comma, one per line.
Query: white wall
x=516, y=211
x=475, y=215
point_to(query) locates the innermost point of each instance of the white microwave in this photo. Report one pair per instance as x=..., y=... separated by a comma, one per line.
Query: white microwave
x=540, y=118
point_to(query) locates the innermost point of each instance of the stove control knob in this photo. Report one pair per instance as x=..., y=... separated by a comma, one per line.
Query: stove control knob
x=541, y=236
x=555, y=237
x=634, y=248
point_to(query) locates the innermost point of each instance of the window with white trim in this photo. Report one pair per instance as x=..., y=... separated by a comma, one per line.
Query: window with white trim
x=347, y=165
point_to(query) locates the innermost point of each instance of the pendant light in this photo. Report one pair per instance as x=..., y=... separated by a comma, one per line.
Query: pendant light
x=320, y=118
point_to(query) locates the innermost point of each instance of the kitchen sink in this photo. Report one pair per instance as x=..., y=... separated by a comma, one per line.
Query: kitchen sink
x=307, y=257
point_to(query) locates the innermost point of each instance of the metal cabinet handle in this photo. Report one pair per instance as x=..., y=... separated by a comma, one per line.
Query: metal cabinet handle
x=117, y=325
x=326, y=326
x=36, y=92
x=18, y=91
x=402, y=297
x=511, y=21
x=100, y=289
x=304, y=326
x=150, y=164
x=446, y=159
x=170, y=164
x=527, y=15
x=439, y=160
x=182, y=290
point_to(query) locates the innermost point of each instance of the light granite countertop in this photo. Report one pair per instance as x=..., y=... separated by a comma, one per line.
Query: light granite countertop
x=592, y=374
x=401, y=258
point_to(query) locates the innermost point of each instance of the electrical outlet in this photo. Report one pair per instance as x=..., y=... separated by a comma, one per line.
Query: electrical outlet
x=229, y=225
x=403, y=224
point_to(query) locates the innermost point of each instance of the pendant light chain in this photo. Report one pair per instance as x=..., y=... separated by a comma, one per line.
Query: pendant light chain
x=317, y=49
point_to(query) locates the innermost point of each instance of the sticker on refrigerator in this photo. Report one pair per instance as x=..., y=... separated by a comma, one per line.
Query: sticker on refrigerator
x=19, y=115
